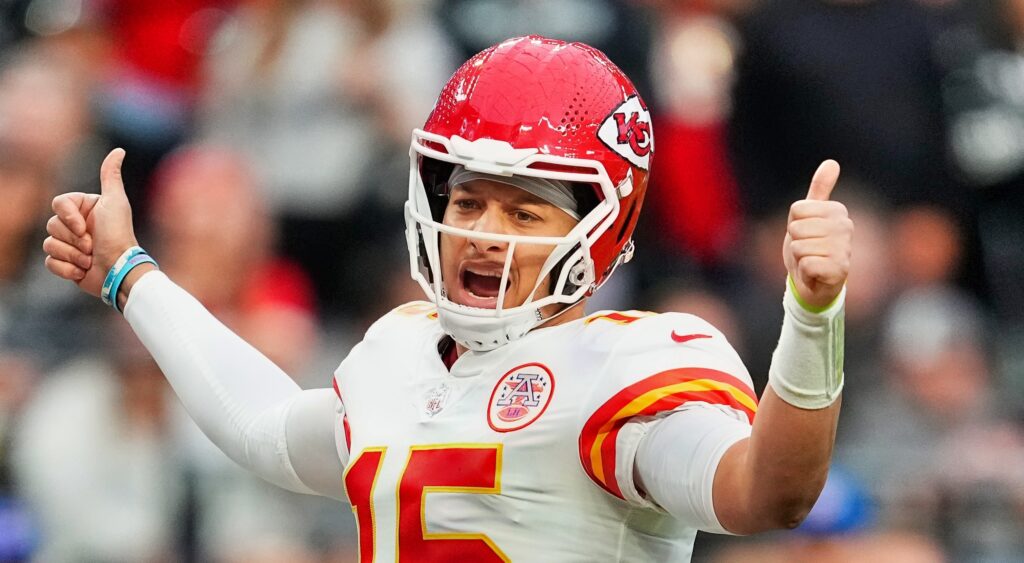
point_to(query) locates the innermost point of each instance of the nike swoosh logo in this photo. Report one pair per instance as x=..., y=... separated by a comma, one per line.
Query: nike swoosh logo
x=680, y=338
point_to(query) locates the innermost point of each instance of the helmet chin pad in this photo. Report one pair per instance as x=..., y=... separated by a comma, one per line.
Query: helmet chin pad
x=483, y=334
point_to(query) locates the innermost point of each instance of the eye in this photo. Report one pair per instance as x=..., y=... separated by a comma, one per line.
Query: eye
x=465, y=203
x=525, y=216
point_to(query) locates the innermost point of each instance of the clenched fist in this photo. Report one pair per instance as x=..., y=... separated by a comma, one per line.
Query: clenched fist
x=819, y=238
x=89, y=232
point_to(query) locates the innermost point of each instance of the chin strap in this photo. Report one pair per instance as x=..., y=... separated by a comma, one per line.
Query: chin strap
x=624, y=256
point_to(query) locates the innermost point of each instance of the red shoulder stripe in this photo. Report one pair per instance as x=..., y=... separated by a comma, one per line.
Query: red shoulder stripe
x=618, y=318
x=661, y=392
x=344, y=418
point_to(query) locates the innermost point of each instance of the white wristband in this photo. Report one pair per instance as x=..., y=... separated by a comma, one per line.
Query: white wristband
x=807, y=366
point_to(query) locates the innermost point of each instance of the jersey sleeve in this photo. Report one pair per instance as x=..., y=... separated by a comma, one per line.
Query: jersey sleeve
x=659, y=365
x=309, y=435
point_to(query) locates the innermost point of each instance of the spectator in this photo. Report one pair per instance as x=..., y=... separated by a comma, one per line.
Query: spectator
x=619, y=29
x=41, y=323
x=150, y=91
x=312, y=93
x=936, y=445
x=692, y=70
x=928, y=247
x=270, y=93
x=95, y=461
x=44, y=111
x=43, y=123
x=986, y=123
x=841, y=528
x=855, y=80
x=213, y=232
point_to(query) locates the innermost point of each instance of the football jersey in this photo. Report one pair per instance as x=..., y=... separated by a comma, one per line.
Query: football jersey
x=522, y=453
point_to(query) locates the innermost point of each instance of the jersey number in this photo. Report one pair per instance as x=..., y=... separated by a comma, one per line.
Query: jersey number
x=448, y=468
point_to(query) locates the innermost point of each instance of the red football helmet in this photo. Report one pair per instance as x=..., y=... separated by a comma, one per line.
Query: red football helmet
x=539, y=107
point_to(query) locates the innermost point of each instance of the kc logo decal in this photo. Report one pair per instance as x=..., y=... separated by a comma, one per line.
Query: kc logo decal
x=520, y=397
x=628, y=132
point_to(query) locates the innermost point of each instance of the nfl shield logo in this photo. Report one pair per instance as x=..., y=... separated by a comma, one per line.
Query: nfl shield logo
x=437, y=398
x=520, y=397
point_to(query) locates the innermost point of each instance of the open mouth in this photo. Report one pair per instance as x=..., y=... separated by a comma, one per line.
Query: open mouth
x=479, y=285
x=485, y=285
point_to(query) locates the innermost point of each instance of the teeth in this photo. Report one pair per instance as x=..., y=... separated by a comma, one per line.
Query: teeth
x=470, y=291
x=485, y=273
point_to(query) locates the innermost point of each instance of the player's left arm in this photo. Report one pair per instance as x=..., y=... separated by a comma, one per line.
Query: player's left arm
x=772, y=479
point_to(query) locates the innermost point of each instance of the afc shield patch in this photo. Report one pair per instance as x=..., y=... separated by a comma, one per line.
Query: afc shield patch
x=520, y=397
x=628, y=132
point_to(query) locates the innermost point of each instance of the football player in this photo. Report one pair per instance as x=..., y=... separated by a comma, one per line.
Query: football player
x=497, y=421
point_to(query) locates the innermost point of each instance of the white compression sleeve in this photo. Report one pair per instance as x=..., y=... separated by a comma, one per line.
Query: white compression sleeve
x=677, y=459
x=244, y=403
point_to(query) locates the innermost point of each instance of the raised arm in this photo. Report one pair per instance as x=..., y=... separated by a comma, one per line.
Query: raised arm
x=774, y=478
x=252, y=410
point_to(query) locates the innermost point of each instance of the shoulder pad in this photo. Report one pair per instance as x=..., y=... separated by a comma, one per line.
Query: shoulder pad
x=643, y=330
x=412, y=314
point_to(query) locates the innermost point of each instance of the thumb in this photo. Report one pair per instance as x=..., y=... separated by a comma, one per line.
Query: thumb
x=111, y=184
x=824, y=180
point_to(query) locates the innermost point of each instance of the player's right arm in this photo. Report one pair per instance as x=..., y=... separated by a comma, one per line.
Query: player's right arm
x=244, y=403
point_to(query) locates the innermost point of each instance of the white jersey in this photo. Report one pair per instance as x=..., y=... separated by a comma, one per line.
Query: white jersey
x=524, y=453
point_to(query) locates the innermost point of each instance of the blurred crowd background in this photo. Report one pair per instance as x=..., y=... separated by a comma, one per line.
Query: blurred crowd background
x=267, y=165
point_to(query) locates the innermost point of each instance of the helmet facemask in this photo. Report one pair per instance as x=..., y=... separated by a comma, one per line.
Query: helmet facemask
x=569, y=265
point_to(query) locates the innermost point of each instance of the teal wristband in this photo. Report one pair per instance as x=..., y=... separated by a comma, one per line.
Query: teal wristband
x=136, y=260
x=108, y=282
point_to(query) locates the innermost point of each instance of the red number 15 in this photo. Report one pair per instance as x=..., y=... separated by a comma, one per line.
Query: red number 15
x=447, y=468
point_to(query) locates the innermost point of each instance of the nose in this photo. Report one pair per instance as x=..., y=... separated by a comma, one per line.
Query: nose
x=488, y=222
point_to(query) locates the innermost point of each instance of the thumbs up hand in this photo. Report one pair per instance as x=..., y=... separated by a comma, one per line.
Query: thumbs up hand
x=88, y=232
x=819, y=237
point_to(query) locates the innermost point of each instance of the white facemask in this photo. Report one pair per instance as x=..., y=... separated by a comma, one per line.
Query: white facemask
x=481, y=329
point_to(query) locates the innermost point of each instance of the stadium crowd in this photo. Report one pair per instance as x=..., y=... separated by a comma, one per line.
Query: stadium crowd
x=267, y=160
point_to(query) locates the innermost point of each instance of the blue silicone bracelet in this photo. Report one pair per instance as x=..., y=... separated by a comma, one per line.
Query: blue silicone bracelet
x=136, y=260
x=108, y=282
